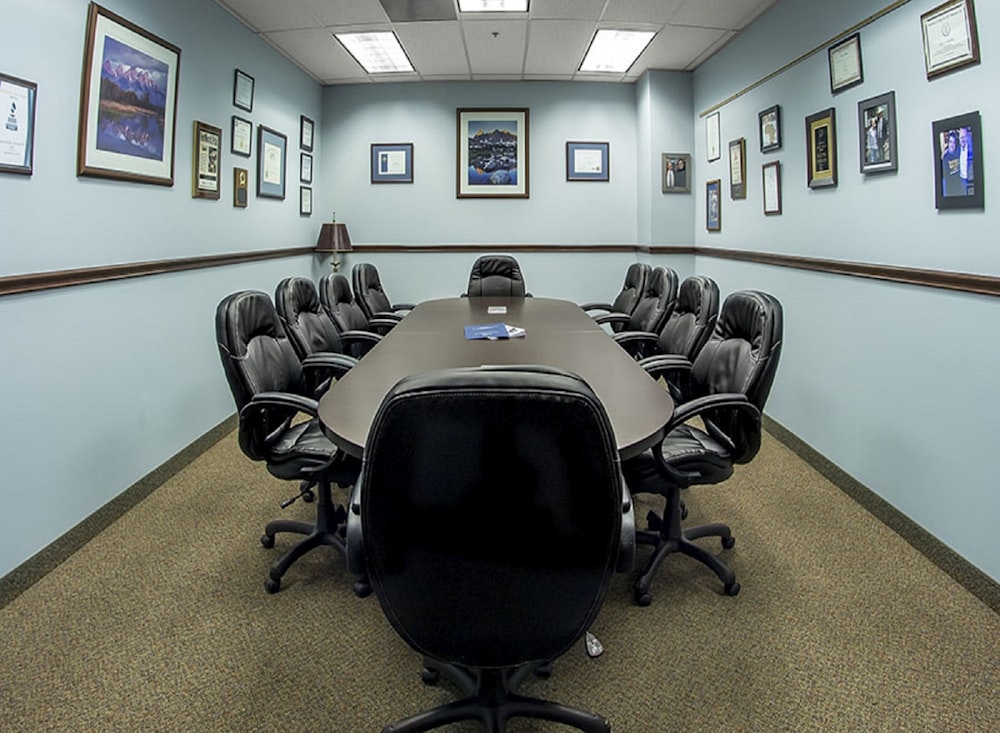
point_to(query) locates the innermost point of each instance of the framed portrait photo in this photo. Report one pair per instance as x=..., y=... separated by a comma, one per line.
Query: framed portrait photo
x=877, y=134
x=492, y=153
x=845, y=64
x=676, y=173
x=134, y=142
x=769, y=123
x=205, y=182
x=821, y=149
x=712, y=141
x=951, y=40
x=738, y=168
x=713, y=205
x=241, y=137
x=392, y=163
x=958, y=162
x=17, y=133
x=588, y=161
x=243, y=85
x=272, y=147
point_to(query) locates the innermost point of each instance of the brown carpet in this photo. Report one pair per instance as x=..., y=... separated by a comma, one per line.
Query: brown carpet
x=161, y=623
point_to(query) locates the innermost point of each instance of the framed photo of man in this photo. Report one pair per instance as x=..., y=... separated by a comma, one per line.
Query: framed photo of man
x=958, y=162
x=676, y=172
x=877, y=134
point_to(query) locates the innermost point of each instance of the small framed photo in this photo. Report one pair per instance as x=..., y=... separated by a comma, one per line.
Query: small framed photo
x=17, y=135
x=821, y=149
x=271, y=151
x=769, y=122
x=207, y=157
x=305, y=201
x=392, y=163
x=588, y=161
x=676, y=172
x=951, y=40
x=712, y=142
x=241, y=178
x=771, y=185
x=877, y=134
x=242, y=137
x=243, y=91
x=958, y=162
x=306, y=129
x=492, y=153
x=738, y=168
x=305, y=168
x=713, y=205
x=845, y=64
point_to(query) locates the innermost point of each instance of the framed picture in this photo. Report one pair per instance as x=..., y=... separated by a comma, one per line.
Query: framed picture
x=207, y=157
x=769, y=122
x=271, y=150
x=951, y=40
x=305, y=201
x=771, y=186
x=845, y=64
x=492, y=153
x=712, y=142
x=738, y=168
x=821, y=149
x=676, y=172
x=306, y=127
x=305, y=168
x=243, y=91
x=392, y=163
x=713, y=205
x=242, y=137
x=588, y=161
x=241, y=177
x=877, y=134
x=131, y=140
x=958, y=162
x=17, y=135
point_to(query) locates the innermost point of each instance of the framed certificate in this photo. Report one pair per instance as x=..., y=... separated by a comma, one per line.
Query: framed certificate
x=712, y=144
x=17, y=133
x=271, y=149
x=242, y=137
x=587, y=161
x=845, y=64
x=771, y=185
x=243, y=90
x=392, y=163
x=950, y=37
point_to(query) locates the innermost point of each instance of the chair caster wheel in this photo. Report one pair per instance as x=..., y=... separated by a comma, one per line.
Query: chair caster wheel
x=308, y=497
x=544, y=670
x=429, y=676
x=728, y=543
x=732, y=589
x=267, y=541
x=272, y=586
x=361, y=588
x=643, y=597
x=684, y=510
x=653, y=521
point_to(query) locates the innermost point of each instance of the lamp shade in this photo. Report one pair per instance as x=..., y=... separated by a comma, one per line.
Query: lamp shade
x=333, y=237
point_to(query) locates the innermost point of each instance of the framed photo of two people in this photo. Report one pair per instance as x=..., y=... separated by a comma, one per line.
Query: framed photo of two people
x=958, y=158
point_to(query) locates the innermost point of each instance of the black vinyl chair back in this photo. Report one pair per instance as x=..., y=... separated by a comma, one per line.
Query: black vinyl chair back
x=491, y=506
x=336, y=297
x=309, y=328
x=656, y=303
x=693, y=318
x=368, y=291
x=632, y=289
x=496, y=276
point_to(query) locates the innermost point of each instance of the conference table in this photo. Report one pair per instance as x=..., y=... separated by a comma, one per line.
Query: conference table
x=557, y=333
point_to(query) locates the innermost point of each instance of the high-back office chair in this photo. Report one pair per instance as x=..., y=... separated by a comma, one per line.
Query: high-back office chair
x=490, y=516
x=632, y=290
x=654, y=306
x=730, y=381
x=267, y=383
x=337, y=299
x=496, y=276
x=371, y=296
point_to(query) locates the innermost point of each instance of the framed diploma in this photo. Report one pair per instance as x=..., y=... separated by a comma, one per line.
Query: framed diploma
x=821, y=149
x=845, y=64
x=305, y=168
x=305, y=201
x=243, y=90
x=17, y=133
x=950, y=37
x=392, y=163
x=242, y=137
x=712, y=144
x=207, y=156
x=587, y=161
x=738, y=168
x=771, y=185
x=713, y=205
x=272, y=147
x=306, y=129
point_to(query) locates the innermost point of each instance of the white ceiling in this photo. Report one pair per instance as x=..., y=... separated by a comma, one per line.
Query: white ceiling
x=546, y=43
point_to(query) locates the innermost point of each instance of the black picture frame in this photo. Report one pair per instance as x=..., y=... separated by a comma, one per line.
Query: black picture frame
x=392, y=163
x=821, y=149
x=770, y=174
x=769, y=124
x=958, y=185
x=17, y=135
x=307, y=129
x=713, y=205
x=738, y=168
x=877, y=152
x=844, y=60
x=305, y=201
x=305, y=168
x=241, y=137
x=272, y=153
x=243, y=85
x=206, y=165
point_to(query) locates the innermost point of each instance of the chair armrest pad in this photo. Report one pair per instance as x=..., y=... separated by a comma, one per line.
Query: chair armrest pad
x=284, y=399
x=659, y=365
x=403, y=306
x=613, y=318
x=360, y=337
x=626, y=545
x=699, y=405
x=597, y=307
x=339, y=364
x=386, y=315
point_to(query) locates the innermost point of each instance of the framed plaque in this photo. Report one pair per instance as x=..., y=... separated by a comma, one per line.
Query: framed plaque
x=207, y=157
x=240, y=178
x=738, y=168
x=821, y=149
x=845, y=64
x=951, y=40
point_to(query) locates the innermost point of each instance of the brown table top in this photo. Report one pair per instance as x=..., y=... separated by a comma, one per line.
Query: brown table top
x=558, y=333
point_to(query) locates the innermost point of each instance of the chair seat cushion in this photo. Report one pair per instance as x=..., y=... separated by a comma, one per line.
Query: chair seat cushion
x=302, y=446
x=686, y=449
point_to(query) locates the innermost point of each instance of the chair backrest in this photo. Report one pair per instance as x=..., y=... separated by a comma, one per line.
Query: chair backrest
x=336, y=297
x=657, y=301
x=693, y=318
x=496, y=275
x=491, y=502
x=307, y=324
x=368, y=290
x=741, y=356
x=632, y=289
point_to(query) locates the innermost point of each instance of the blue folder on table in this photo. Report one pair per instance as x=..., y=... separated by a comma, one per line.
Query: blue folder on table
x=493, y=331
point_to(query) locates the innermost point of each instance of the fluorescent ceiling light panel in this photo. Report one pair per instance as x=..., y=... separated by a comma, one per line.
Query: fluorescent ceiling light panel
x=493, y=6
x=615, y=51
x=378, y=53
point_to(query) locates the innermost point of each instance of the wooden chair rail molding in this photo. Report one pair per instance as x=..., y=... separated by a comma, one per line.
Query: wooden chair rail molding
x=960, y=281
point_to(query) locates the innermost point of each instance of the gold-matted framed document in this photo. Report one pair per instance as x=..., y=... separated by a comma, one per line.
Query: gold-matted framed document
x=821, y=149
x=951, y=40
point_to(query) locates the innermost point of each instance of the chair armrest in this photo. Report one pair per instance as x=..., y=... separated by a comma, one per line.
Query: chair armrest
x=614, y=319
x=403, y=306
x=382, y=323
x=321, y=368
x=626, y=545
x=387, y=315
x=597, y=307
x=660, y=365
x=636, y=343
x=284, y=399
x=700, y=405
x=358, y=343
x=354, y=546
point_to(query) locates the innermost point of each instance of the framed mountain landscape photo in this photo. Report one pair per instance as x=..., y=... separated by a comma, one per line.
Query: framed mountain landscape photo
x=492, y=153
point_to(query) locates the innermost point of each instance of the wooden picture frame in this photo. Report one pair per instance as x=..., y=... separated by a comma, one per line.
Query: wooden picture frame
x=17, y=133
x=770, y=174
x=769, y=124
x=241, y=137
x=206, y=181
x=738, y=168
x=676, y=172
x=844, y=60
x=877, y=134
x=492, y=152
x=821, y=149
x=272, y=147
x=121, y=135
x=392, y=163
x=306, y=130
x=950, y=37
x=243, y=85
x=713, y=142
x=587, y=161
x=713, y=205
x=958, y=162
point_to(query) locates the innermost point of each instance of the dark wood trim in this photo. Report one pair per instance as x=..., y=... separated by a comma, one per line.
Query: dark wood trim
x=413, y=248
x=33, y=282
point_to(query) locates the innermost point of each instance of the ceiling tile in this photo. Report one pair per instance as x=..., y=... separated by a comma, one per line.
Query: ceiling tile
x=557, y=46
x=495, y=46
x=434, y=49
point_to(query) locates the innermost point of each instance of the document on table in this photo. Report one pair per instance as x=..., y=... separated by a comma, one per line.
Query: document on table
x=493, y=331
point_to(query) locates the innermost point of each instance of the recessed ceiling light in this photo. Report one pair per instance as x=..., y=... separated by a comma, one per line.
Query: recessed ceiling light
x=615, y=51
x=378, y=53
x=493, y=6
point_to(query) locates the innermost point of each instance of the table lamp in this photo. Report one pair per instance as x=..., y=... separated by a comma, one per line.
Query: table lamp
x=333, y=239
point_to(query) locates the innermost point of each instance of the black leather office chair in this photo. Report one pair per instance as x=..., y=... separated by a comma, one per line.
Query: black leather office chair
x=496, y=276
x=337, y=299
x=632, y=290
x=267, y=383
x=730, y=381
x=371, y=296
x=654, y=306
x=490, y=517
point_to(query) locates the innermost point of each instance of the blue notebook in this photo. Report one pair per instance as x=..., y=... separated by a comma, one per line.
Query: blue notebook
x=493, y=331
